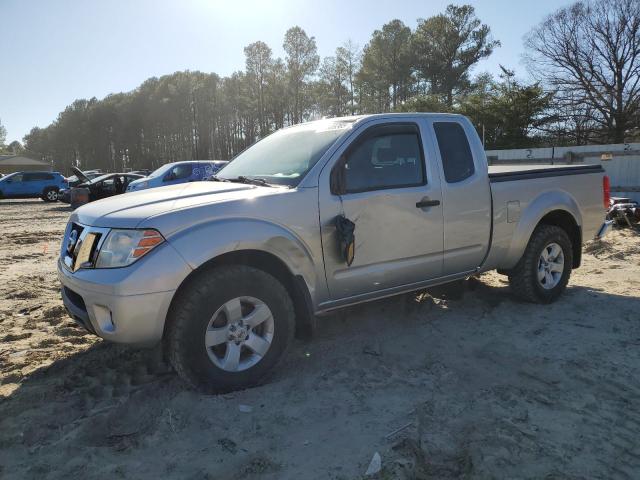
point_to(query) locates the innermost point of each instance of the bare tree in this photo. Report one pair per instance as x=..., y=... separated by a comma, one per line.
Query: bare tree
x=589, y=53
x=575, y=123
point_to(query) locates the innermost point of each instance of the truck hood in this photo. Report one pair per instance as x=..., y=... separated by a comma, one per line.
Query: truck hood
x=130, y=209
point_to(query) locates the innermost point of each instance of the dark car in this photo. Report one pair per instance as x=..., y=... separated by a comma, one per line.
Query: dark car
x=81, y=176
x=105, y=186
x=45, y=185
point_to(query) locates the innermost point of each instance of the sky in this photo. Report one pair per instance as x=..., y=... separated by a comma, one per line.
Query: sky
x=55, y=51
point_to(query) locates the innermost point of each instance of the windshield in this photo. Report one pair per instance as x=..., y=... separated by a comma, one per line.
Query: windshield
x=161, y=170
x=9, y=176
x=284, y=157
x=99, y=179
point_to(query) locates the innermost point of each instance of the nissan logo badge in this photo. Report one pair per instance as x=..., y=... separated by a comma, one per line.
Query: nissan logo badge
x=73, y=238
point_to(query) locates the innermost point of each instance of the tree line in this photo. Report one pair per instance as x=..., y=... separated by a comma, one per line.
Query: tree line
x=584, y=60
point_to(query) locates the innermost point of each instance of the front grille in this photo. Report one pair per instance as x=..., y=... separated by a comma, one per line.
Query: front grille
x=77, y=228
x=70, y=243
x=81, y=245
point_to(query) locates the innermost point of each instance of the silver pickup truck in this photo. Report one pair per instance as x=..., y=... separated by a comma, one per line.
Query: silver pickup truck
x=312, y=218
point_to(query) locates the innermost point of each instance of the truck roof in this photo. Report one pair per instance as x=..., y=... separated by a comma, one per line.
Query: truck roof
x=409, y=115
x=355, y=118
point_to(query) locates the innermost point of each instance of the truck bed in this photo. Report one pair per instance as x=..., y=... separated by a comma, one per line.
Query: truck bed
x=508, y=173
x=517, y=204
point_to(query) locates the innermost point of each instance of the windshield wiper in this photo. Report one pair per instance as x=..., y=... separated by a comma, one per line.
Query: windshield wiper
x=215, y=178
x=243, y=179
x=252, y=180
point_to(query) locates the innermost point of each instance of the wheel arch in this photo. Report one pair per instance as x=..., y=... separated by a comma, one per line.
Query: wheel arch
x=566, y=221
x=47, y=189
x=557, y=208
x=271, y=264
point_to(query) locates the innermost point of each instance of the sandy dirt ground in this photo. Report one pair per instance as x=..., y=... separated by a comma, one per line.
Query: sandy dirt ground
x=461, y=382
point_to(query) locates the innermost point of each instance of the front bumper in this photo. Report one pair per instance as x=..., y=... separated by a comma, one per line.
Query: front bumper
x=133, y=319
x=64, y=195
x=125, y=305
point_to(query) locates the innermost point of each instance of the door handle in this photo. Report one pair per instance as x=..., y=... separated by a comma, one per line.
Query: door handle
x=425, y=202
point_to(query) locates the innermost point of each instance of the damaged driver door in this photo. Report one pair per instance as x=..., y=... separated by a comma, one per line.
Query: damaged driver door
x=383, y=183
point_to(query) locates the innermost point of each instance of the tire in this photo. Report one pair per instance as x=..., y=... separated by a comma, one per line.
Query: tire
x=50, y=194
x=203, y=306
x=524, y=278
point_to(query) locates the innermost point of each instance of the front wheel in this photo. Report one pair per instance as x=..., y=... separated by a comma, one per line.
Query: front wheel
x=50, y=195
x=543, y=272
x=229, y=328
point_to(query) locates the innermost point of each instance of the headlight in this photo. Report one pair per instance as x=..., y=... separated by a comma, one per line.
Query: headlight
x=123, y=247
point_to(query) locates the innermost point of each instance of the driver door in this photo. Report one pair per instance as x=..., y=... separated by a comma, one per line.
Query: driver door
x=391, y=191
x=103, y=189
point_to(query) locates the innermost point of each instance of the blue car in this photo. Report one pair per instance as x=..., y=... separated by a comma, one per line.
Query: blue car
x=178, y=172
x=44, y=185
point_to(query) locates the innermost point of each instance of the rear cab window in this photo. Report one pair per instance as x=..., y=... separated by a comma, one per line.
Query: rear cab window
x=455, y=152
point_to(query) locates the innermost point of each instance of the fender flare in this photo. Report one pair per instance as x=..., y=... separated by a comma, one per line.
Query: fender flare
x=545, y=203
x=202, y=243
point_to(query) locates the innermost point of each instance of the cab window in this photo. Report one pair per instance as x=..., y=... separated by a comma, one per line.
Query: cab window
x=179, y=172
x=457, y=160
x=113, y=185
x=38, y=176
x=388, y=156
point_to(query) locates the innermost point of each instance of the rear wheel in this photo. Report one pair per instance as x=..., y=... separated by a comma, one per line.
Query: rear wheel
x=229, y=328
x=50, y=194
x=543, y=272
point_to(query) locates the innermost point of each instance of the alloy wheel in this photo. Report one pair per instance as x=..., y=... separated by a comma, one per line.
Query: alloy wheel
x=550, y=266
x=239, y=334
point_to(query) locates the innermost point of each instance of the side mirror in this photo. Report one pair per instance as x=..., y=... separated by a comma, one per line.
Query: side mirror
x=337, y=180
x=168, y=177
x=9, y=180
